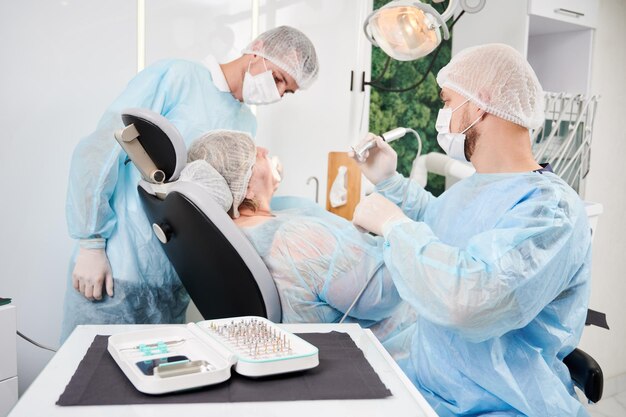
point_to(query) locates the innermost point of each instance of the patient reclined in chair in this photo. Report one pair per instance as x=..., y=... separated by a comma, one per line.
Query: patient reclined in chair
x=321, y=266
x=319, y=262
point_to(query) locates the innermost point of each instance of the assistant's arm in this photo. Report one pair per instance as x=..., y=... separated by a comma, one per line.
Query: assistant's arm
x=98, y=159
x=95, y=171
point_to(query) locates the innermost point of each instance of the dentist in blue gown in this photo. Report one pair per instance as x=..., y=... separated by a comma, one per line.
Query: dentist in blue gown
x=498, y=266
x=119, y=273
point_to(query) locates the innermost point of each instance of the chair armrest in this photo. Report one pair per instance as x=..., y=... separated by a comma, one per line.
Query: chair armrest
x=586, y=374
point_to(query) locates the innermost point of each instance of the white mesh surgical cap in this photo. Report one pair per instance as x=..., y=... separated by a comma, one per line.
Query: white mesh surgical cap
x=232, y=154
x=499, y=80
x=203, y=174
x=289, y=49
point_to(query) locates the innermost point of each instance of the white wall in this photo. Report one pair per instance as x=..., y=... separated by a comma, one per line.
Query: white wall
x=192, y=29
x=62, y=63
x=606, y=184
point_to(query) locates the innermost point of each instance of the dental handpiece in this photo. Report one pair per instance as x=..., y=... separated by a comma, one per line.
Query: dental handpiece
x=388, y=137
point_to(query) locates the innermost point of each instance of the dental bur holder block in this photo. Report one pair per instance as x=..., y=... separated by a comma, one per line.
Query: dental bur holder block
x=174, y=358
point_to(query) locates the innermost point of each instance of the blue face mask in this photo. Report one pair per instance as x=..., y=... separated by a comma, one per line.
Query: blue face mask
x=453, y=144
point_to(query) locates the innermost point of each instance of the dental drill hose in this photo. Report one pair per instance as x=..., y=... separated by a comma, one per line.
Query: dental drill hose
x=419, y=153
x=388, y=137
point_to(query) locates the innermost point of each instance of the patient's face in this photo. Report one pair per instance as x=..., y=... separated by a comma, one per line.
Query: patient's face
x=262, y=182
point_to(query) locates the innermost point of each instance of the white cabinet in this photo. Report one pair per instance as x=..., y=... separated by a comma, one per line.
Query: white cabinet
x=8, y=360
x=556, y=36
x=577, y=12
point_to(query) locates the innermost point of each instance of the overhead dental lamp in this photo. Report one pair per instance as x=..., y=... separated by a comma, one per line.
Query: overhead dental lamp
x=409, y=29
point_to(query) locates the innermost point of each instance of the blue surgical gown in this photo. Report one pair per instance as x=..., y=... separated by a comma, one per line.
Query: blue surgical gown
x=102, y=199
x=320, y=263
x=498, y=269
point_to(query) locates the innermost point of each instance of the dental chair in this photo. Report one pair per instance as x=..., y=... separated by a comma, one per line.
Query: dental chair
x=220, y=269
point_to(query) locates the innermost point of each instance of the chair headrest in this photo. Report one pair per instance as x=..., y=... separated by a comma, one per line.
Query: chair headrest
x=160, y=139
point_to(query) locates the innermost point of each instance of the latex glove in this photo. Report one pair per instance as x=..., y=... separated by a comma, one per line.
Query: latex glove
x=375, y=213
x=91, y=272
x=380, y=162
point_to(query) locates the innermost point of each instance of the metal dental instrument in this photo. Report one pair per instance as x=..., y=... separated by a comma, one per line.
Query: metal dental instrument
x=182, y=368
x=169, y=343
x=253, y=338
x=388, y=137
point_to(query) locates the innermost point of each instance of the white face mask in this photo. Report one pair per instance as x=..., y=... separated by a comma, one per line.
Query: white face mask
x=452, y=143
x=260, y=88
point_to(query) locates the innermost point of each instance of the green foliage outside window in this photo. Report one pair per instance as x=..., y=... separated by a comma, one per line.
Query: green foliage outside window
x=416, y=108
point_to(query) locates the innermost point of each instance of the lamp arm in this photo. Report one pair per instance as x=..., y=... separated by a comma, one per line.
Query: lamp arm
x=449, y=12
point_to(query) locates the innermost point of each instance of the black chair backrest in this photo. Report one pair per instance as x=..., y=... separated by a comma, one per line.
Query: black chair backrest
x=218, y=266
x=214, y=273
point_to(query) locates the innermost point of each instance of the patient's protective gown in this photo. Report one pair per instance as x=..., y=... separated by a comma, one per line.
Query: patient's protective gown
x=498, y=270
x=102, y=200
x=320, y=263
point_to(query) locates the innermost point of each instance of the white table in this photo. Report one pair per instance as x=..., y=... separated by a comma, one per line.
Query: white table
x=41, y=396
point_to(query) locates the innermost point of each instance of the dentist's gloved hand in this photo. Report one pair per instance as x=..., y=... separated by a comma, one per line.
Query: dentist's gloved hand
x=91, y=272
x=380, y=162
x=376, y=214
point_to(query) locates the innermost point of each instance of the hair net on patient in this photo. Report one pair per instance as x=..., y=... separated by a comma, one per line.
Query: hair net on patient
x=232, y=154
x=289, y=49
x=203, y=174
x=499, y=80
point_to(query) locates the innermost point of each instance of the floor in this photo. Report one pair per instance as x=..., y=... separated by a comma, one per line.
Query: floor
x=614, y=406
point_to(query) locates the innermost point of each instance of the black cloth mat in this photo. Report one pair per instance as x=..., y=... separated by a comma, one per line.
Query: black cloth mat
x=343, y=373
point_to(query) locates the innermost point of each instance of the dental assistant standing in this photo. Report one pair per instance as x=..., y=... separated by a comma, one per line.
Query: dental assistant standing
x=119, y=273
x=498, y=266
